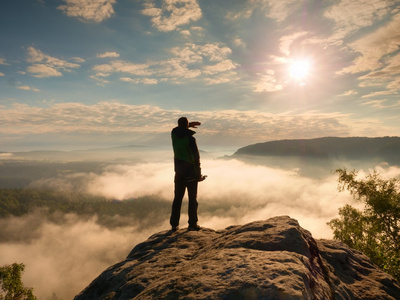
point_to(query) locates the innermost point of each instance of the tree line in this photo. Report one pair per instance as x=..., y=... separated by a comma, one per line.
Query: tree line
x=19, y=202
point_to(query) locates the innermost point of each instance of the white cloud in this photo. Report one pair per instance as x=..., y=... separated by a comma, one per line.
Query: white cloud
x=2, y=74
x=3, y=62
x=44, y=65
x=185, y=33
x=146, y=81
x=224, y=77
x=380, y=103
x=374, y=47
x=78, y=59
x=108, y=54
x=188, y=62
x=28, y=88
x=267, y=82
x=379, y=94
x=349, y=93
x=286, y=41
x=172, y=13
x=377, y=104
x=43, y=71
x=279, y=10
x=88, y=10
x=187, y=54
x=120, y=66
x=100, y=79
x=221, y=66
x=199, y=29
x=239, y=42
x=213, y=51
x=37, y=56
x=387, y=77
x=350, y=15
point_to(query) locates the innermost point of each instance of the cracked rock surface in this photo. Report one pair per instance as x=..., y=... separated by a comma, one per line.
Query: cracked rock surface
x=270, y=259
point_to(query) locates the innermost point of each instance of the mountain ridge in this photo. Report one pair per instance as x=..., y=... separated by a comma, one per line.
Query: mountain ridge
x=357, y=148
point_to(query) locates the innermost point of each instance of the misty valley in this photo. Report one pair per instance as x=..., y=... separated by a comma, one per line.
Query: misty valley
x=70, y=215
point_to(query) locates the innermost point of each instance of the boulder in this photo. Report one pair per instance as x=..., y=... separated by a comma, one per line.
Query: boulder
x=271, y=259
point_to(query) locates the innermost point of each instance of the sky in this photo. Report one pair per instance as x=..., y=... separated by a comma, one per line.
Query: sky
x=103, y=73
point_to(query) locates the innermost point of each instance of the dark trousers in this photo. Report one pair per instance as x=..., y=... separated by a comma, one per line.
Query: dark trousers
x=180, y=188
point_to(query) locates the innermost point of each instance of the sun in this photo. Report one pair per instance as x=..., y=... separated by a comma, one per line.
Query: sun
x=299, y=69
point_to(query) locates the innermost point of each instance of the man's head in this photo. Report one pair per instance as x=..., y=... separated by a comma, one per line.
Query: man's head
x=183, y=122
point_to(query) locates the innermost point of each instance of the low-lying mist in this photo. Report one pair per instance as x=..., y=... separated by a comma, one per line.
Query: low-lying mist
x=65, y=256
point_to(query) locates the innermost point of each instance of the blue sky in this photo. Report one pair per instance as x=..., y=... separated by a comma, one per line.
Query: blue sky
x=98, y=73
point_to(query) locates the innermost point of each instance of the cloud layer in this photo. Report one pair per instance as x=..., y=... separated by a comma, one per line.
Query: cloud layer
x=70, y=252
x=224, y=128
x=234, y=192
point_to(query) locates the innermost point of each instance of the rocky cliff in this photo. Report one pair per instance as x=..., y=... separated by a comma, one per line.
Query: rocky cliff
x=272, y=259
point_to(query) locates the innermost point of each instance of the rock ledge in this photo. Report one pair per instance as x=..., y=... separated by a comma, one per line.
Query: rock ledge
x=271, y=259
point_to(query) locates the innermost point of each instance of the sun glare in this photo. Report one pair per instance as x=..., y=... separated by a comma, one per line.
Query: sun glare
x=299, y=69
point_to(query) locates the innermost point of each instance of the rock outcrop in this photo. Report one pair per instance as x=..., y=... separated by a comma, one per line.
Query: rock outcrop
x=272, y=259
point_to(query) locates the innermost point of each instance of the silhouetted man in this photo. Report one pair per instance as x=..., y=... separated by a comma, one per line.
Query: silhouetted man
x=187, y=171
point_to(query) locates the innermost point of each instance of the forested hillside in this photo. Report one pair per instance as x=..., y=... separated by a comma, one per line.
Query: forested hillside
x=354, y=148
x=111, y=213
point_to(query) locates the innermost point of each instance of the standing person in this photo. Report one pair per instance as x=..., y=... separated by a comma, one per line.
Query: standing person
x=187, y=172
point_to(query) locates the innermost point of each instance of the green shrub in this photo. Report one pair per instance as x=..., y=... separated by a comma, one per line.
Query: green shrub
x=375, y=231
x=11, y=286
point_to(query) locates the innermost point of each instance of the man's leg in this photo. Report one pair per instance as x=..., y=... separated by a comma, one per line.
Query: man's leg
x=177, y=203
x=192, y=193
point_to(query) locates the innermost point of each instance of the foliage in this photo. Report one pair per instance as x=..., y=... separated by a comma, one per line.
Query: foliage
x=376, y=230
x=19, y=202
x=11, y=286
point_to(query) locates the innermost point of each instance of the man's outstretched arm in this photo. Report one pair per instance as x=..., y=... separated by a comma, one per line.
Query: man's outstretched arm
x=194, y=124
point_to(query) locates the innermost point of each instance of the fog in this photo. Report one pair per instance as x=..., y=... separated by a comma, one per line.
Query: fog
x=63, y=258
x=234, y=192
x=66, y=255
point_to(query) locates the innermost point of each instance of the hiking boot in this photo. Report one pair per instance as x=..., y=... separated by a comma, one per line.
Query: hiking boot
x=175, y=228
x=194, y=227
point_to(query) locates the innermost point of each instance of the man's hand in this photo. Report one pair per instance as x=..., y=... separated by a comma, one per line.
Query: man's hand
x=194, y=124
x=202, y=177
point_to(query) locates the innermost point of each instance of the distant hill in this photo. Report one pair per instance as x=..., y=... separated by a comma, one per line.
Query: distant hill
x=353, y=148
